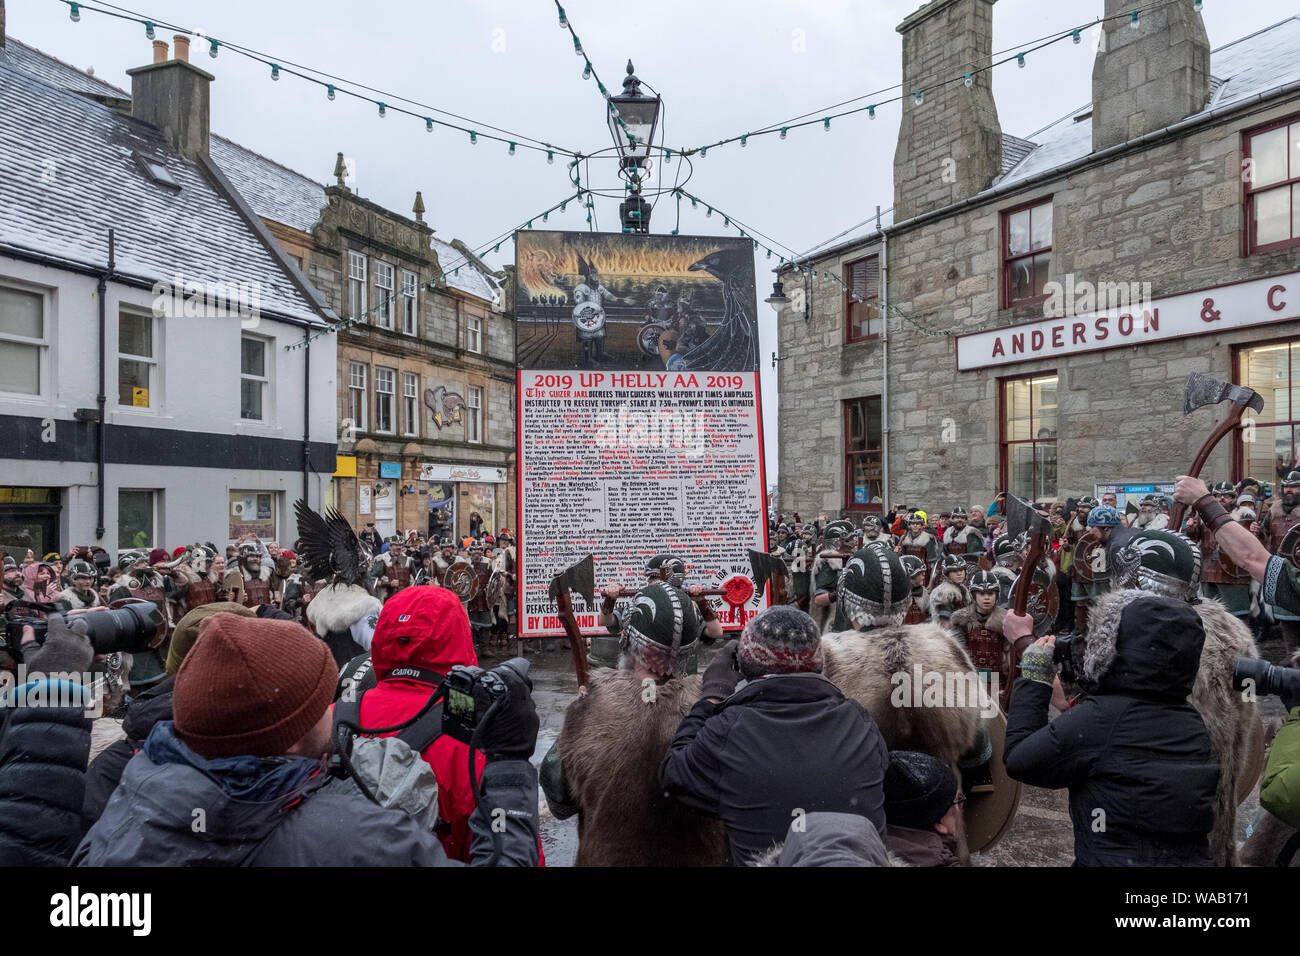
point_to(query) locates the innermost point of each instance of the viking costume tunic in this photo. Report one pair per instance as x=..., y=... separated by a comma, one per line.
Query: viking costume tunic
x=1279, y=520
x=921, y=546
x=946, y=598
x=966, y=541
x=70, y=599
x=399, y=571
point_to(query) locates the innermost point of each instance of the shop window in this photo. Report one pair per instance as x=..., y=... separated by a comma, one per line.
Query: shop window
x=252, y=512
x=137, y=362
x=24, y=344
x=1272, y=175
x=862, y=299
x=1270, y=440
x=1028, y=446
x=863, y=444
x=1026, y=254
x=137, y=515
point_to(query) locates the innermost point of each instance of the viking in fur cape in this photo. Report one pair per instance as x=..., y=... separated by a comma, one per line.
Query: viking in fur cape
x=343, y=612
x=605, y=765
x=1166, y=562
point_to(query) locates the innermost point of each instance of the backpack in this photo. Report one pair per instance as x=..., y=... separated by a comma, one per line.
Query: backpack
x=391, y=771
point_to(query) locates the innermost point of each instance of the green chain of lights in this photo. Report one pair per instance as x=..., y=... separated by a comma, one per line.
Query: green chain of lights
x=513, y=141
x=493, y=244
x=589, y=71
x=966, y=78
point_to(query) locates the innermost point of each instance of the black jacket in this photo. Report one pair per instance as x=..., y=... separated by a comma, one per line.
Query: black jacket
x=1134, y=753
x=174, y=808
x=105, y=771
x=43, y=752
x=779, y=748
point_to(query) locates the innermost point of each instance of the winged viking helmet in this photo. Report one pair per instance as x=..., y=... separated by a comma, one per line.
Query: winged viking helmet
x=330, y=548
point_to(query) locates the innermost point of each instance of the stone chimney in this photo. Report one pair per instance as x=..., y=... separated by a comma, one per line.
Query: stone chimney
x=173, y=95
x=1147, y=78
x=950, y=145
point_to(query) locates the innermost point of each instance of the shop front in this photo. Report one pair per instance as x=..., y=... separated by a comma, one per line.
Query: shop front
x=463, y=498
x=29, y=518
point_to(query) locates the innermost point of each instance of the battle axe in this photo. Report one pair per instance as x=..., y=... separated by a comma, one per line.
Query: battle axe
x=768, y=567
x=1203, y=390
x=581, y=578
x=1023, y=519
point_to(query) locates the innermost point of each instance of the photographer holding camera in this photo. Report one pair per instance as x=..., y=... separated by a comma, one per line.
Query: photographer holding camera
x=238, y=777
x=1133, y=751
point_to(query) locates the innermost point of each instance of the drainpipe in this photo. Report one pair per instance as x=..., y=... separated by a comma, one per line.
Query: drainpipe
x=884, y=373
x=101, y=400
x=306, y=416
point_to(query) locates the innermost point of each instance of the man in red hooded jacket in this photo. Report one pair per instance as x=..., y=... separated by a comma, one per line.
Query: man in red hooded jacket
x=422, y=634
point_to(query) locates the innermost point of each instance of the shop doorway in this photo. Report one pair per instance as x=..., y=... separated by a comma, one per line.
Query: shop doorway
x=29, y=518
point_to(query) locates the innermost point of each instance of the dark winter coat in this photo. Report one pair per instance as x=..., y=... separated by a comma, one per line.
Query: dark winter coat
x=780, y=747
x=175, y=808
x=1134, y=752
x=105, y=771
x=43, y=753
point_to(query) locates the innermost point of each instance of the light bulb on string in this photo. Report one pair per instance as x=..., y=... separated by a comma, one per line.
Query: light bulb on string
x=785, y=131
x=383, y=111
x=74, y=12
x=826, y=123
x=473, y=138
x=148, y=30
x=1133, y=20
x=871, y=112
x=564, y=21
x=1198, y=6
x=329, y=90
x=970, y=80
x=550, y=157
x=1020, y=60
x=577, y=46
x=703, y=151
x=744, y=138
x=1077, y=38
x=919, y=97
x=511, y=151
x=708, y=212
x=428, y=124
x=668, y=155
x=213, y=43
x=275, y=71
x=586, y=71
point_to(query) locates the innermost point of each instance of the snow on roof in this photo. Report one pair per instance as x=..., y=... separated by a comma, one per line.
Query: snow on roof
x=96, y=183
x=33, y=62
x=275, y=192
x=469, y=279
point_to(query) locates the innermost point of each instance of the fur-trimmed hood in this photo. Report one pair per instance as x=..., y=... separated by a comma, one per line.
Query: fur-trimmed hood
x=1160, y=651
x=969, y=616
x=339, y=606
x=947, y=593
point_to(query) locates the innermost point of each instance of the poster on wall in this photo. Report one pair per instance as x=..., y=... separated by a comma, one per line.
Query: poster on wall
x=252, y=513
x=640, y=426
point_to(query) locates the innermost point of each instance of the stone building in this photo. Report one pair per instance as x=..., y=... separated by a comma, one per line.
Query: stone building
x=1026, y=315
x=426, y=367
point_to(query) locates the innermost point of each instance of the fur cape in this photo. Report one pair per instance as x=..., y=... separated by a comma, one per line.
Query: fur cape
x=612, y=744
x=967, y=617
x=339, y=606
x=862, y=664
x=947, y=594
x=1233, y=724
x=922, y=600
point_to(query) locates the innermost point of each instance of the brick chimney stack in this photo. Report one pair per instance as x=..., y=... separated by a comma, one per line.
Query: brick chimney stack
x=174, y=96
x=1148, y=78
x=949, y=146
x=159, y=51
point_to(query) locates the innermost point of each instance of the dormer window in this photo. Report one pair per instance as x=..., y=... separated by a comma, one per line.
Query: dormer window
x=156, y=172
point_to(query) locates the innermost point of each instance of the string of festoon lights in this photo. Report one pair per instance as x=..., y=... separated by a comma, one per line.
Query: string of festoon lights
x=452, y=269
x=332, y=85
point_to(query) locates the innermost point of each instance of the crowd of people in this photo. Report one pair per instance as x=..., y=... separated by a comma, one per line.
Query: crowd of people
x=324, y=704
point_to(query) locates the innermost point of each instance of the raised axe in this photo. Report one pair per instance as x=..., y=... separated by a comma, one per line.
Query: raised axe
x=581, y=577
x=770, y=568
x=1023, y=519
x=1203, y=390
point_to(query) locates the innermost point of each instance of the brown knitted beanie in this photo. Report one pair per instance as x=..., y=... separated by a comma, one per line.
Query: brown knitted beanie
x=187, y=630
x=251, y=686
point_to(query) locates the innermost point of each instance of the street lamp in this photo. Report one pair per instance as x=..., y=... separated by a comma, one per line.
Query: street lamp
x=633, y=117
x=778, y=297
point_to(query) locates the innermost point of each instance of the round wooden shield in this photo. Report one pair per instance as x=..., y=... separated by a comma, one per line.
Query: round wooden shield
x=1290, y=548
x=1090, y=559
x=988, y=816
x=1044, y=601
x=460, y=579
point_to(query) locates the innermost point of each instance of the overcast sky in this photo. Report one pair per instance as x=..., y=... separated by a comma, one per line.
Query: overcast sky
x=722, y=66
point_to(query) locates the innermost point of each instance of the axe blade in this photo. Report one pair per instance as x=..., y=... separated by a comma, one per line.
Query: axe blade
x=1022, y=518
x=1203, y=390
x=765, y=566
x=581, y=577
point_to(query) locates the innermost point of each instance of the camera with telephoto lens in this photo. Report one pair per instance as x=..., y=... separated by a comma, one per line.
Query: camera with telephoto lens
x=1266, y=678
x=133, y=626
x=469, y=692
x=1063, y=655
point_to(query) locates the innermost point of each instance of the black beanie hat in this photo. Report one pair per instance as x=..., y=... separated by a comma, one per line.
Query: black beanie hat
x=919, y=789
